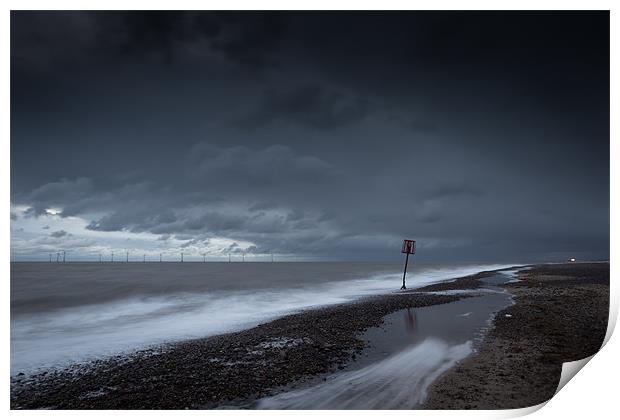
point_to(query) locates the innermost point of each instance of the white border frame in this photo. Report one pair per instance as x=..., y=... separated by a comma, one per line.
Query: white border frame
x=591, y=393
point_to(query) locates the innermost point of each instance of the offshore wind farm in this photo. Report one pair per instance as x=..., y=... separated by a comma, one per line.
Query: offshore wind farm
x=61, y=257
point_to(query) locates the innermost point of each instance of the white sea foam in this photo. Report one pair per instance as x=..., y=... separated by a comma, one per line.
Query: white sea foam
x=55, y=338
x=513, y=274
x=398, y=382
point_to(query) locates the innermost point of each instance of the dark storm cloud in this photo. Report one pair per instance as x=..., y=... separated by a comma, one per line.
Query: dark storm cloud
x=58, y=234
x=46, y=41
x=162, y=32
x=238, y=175
x=310, y=105
x=276, y=169
x=140, y=218
x=419, y=126
x=59, y=193
x=452, y=190
x=485, y=135
x=242, y=39
x=249, y=39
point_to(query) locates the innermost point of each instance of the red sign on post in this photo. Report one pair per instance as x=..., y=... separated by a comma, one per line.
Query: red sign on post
x=408, y=247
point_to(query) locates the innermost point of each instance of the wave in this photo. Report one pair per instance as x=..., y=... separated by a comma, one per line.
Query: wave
x=57, y=338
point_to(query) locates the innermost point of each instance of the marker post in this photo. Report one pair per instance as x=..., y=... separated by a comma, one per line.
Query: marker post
x=408, y=248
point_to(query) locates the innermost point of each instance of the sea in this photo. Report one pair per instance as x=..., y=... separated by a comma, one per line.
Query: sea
x=67, y=313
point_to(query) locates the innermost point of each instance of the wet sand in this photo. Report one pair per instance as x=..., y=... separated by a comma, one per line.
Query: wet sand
x=560, y=315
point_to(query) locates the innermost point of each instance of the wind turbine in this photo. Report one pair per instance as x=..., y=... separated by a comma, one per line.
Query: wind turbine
x=204, y=258
x=181, y=257
x=228, y=257
x=144, y=258
x=243, y=257
x=64, y=255
x=99, y=257
x=127, y=257
x=160, y=257
x=50, y=257
x=112, y=260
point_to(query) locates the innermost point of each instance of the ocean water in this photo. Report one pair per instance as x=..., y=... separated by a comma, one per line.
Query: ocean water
x=75, y=312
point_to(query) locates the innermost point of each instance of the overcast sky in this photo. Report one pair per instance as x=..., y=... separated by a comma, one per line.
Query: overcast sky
x=483, y=136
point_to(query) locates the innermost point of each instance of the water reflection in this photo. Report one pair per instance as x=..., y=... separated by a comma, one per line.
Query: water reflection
x=411, y=320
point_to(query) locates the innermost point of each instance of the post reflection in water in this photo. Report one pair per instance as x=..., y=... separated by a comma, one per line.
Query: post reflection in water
x=411, y=320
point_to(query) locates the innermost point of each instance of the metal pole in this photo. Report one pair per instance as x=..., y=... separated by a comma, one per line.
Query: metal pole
x=64, y=254
x=405, y=272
